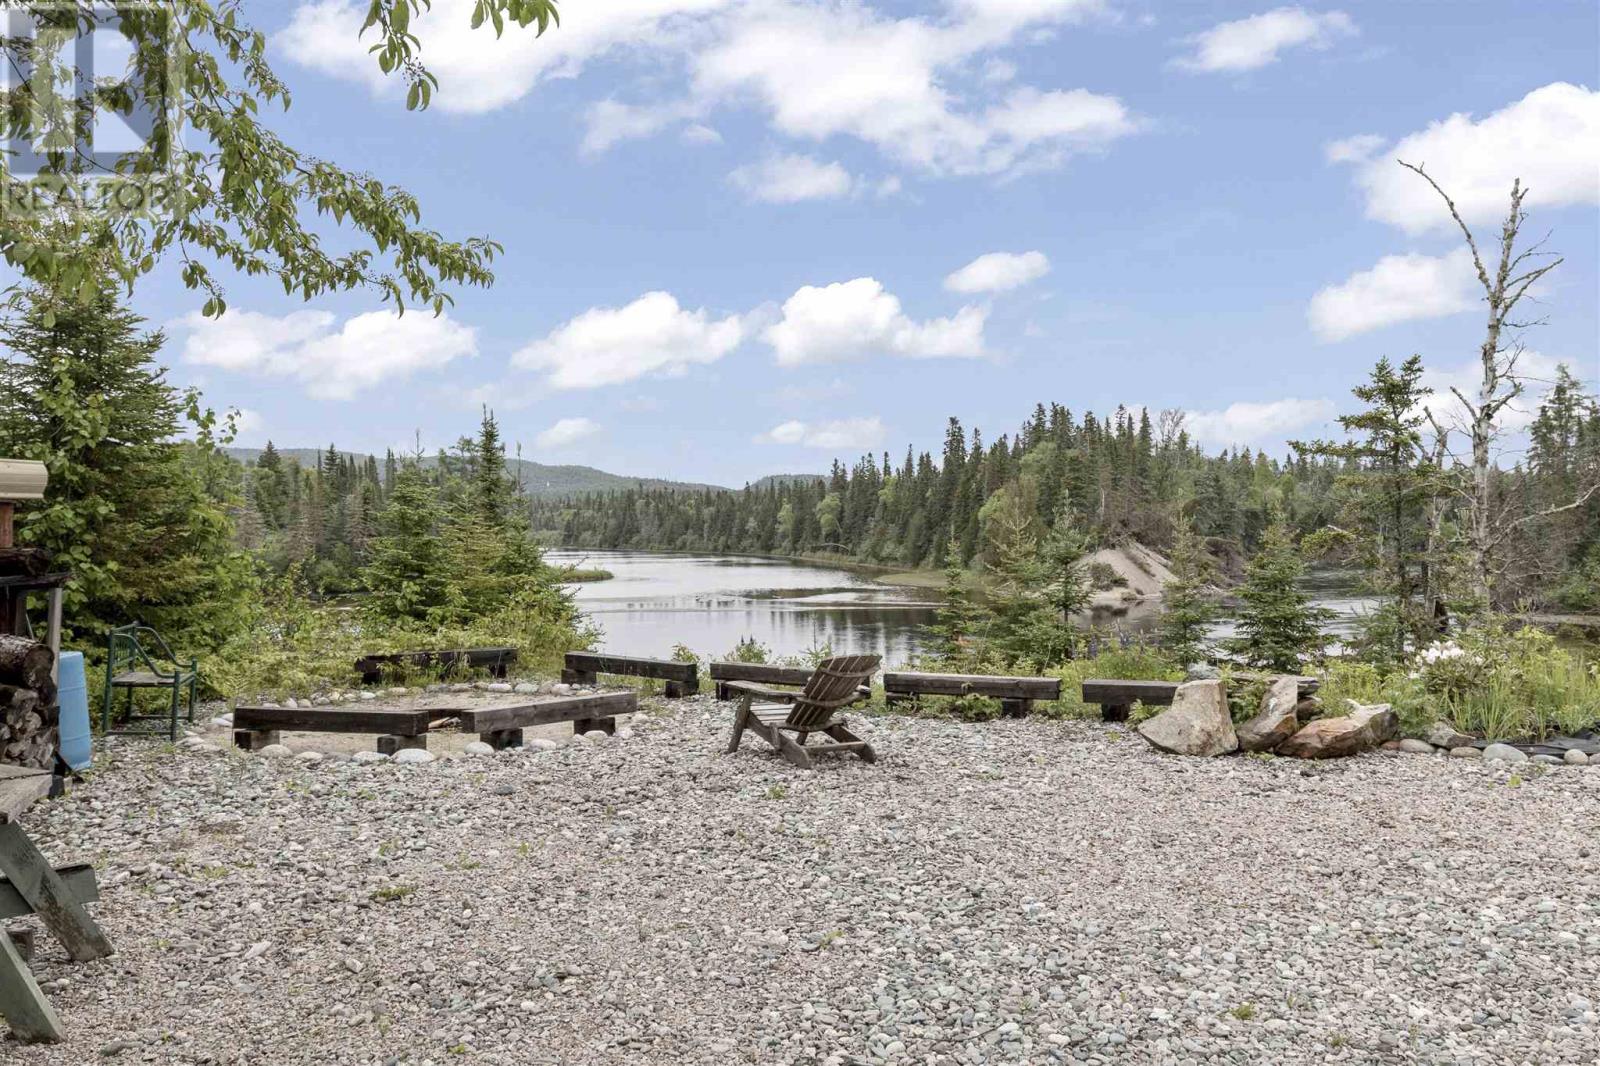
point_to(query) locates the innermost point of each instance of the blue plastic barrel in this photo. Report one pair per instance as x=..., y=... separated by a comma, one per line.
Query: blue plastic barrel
x=76, y=744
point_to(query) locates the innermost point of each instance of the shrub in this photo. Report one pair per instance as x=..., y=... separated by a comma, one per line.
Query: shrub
x=1510, y=683
x=1137, y=662
x=748, y=650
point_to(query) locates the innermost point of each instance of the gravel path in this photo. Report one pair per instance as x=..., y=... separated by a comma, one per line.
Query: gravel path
x=1015, y=891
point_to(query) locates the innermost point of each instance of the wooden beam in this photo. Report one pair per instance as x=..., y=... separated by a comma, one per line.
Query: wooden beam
x=499, y=718
x=78, y=877
x=24, y=1006
x=586, y=662
x=1012, y=688
x=337, y=720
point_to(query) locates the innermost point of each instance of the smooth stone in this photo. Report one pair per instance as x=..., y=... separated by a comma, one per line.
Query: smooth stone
x=1465, y=752
x=1548, y=760
x=477, y=747
x=223, y=720
x=541, y=744
x=1575, y=757
x=596, y=735
x=309, y=757
x=413, y=755
x=369, y=695
x=525, y=688
x=1504, y=753
x=498, y=686
x=1416, y=747
x=369, y=757
x=1197, y=723
x=504, y=790
x=275, y=751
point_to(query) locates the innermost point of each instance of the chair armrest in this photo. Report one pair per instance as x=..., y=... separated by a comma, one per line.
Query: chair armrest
x=753, y=688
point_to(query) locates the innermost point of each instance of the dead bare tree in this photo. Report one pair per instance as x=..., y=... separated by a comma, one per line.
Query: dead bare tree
x=1500, y=382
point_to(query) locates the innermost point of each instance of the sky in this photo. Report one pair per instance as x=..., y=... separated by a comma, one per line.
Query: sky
x=748, y=236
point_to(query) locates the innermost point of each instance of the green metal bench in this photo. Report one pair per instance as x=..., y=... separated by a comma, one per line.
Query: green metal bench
x=138, y=658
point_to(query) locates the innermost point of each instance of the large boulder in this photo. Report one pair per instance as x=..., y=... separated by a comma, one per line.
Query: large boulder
x=1277, y=721
x=1197, y=723
x=1363, y=729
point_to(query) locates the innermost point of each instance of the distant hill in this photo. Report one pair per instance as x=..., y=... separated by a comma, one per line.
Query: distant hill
x=773, y=480
x=539, y=478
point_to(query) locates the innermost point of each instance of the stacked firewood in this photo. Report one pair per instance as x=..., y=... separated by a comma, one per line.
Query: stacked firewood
x=29, y=715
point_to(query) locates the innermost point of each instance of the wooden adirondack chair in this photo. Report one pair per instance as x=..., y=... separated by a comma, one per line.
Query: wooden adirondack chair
x=774, y=713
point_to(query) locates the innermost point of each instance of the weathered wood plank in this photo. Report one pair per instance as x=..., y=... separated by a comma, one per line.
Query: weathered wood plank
x=337, y=720
x=18, y=792
x=1013, y=688
x=22, y=1004
x=495, y=660
x=1157, y=693
x=547, y=712
x=586, y=662
x=48, y=895
x=78, y=877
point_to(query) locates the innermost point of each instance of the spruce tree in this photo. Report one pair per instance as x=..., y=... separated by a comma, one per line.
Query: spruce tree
x=130, y=509
x=956, y=621
x=1278, y=623
x=1186, y=608
x=409, y=576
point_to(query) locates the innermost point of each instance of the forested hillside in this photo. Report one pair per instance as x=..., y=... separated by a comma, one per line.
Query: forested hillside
x=1131, y=476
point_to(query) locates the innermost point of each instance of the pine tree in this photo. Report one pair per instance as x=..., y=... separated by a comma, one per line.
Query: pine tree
x=1277, y=623
x=128, y=510
x=1186, y=608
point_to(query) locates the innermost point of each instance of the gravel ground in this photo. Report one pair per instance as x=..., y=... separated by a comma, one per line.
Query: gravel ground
x=1015, y=891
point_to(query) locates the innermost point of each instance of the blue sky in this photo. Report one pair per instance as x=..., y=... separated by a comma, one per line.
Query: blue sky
x=736, y=232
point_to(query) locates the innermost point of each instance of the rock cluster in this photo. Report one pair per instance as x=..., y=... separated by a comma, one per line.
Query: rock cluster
x=1199, y=723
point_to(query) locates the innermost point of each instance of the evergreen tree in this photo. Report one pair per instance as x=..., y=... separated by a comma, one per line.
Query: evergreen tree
x=128, y=510
x=1187, y=610
x=409, y=577
x=1277, y=623
x=956, y=621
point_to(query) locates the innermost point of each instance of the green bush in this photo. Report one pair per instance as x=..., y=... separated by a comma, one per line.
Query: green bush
x=748, y=650
x=1510, y=683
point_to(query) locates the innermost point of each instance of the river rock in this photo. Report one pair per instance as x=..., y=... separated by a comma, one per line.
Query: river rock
x=1197, y=723
x=275, y=751
x=369, y=756
x=1504, y=753
x=413, y=755
x=1466, y=751
x=1308, y=709
x=477, y=747
x=1574, y=757
x=1363, y=729
x=1416, y=747
x=1276, y=722
x=1444, y=735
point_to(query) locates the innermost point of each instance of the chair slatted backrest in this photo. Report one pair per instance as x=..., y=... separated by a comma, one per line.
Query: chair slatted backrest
x=831, y=685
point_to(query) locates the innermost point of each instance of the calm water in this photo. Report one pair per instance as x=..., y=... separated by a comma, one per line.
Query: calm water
x=711, y=602
x=658, y=600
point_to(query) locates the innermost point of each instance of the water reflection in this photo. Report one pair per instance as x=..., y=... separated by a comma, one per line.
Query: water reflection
x=658, y=600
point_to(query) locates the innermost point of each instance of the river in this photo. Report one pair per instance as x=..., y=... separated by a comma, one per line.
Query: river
x=658, y=600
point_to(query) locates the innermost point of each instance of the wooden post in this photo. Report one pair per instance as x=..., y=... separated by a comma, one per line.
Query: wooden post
x=24, y=1007
x=501, y=739
x=8, y=511
x=49, y=896
x=389, y=744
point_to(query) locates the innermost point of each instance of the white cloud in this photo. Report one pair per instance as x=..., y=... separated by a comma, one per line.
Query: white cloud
x=913, y=87
x=846, y=433
x=998, y=271
x=699, y=133
x=788, y=179
x=477, y=71
x=333, y=362
x=566, y=432
x=1254, y=42
x=1550, y=139
x=1356, y=149
x=1399, y=288
x=611, y=345
x=1251, y=423
x=855, y=319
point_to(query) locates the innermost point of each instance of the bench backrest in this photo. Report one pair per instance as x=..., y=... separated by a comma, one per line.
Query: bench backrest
x=832, y=685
